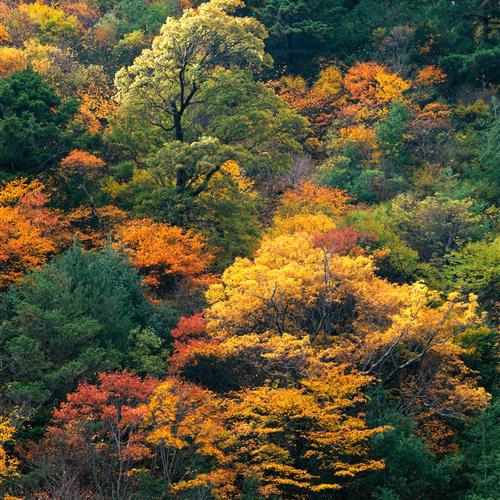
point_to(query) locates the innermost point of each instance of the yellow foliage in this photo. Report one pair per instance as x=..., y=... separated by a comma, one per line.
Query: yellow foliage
x=13, y=191
x=8, y=465
x=52, y=22
x=4, y=34
x=328, y=84
x=301, y=223
x=292, y=287
x=230, y=169
x=40, y=55
x=318, y=418
x=11, y=59
x=363, y=138
x=390, y=87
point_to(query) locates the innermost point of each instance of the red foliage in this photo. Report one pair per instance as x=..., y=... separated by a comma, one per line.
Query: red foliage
x=344, y=241
x=190, y=327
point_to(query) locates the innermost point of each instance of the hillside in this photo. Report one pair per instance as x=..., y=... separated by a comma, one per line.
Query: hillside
x=249, y=251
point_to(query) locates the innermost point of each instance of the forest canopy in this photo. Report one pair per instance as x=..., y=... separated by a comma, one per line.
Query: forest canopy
x=249, y=250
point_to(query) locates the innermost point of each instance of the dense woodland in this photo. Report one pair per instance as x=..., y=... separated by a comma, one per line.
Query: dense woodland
x=249, y=251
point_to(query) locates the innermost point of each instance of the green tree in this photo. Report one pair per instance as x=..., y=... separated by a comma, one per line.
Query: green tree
x=391, y=143
x=164, y=81
x=300, y=30
x=264, y=132
x=69, y=320
x=411, y=471
x=435, y=225
x=35, y=127
x=475, y=268
x=481, y=449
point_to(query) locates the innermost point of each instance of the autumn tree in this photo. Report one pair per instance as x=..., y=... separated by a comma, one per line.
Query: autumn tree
x=8, y=464
x=96, y=437
x=371, y=89
x=29, y=231
x=11, y=60
x=186, y=430
x=317, y=102
x=82, y=171
x=51, y=23
x=305, y=439
x=166, y=254
x=291, y=286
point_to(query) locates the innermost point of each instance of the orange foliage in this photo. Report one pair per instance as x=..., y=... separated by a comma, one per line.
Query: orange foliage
x=82, y=220
x=190, y=327
x=430, y=75
x=29, y=232
x=98, y=430
x=81, y=162
x=317, y=102
x=311, y=198
x=371, y=89
x=163, y=251
x=432, y=116
x=4, y=33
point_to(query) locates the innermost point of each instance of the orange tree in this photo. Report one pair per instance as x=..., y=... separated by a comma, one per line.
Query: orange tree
x=29, y=231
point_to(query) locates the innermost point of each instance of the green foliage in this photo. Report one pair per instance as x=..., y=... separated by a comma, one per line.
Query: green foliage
x=481, y=449
x=34, y=123
x=71, y=319
x=343, y=172
x=411, y=471
x=299, y=30
x=400, y=263
x=489, y=160
x=435, y=225
x=162, y=83
x=265, y=133
x=391, y=142
x=475, y=268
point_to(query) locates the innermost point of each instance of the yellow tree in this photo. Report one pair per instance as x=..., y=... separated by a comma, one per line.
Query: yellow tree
x=8, y=465
x=298, y=441
x=403, y=334
x=186, y=426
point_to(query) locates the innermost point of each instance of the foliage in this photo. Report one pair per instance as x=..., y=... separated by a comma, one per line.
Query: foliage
x=8, y=464
x=33, y=123
x=166, y=253
x=325, y=228
x=29, y=231
x=69, y=320
x=169, y=76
